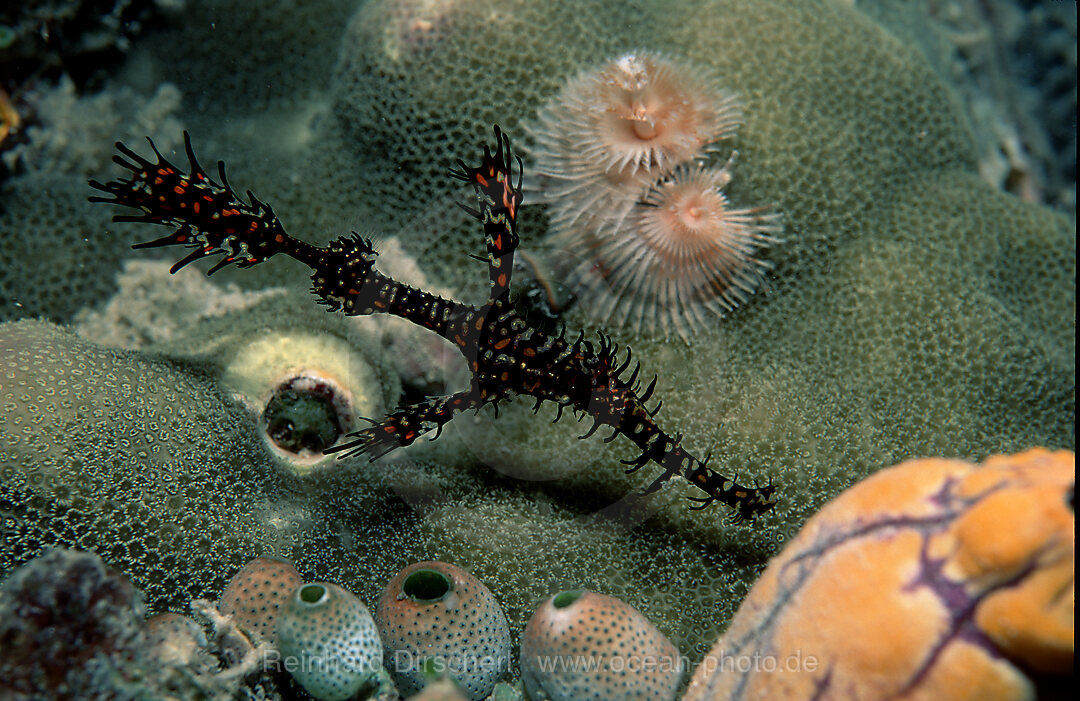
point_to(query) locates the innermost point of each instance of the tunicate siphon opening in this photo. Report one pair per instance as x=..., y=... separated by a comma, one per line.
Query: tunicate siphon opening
x=311, y=593
x=301, y=416
x=426, y=585
x=566, y=598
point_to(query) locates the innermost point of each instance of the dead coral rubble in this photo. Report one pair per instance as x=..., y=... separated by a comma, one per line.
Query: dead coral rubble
x=71, y=628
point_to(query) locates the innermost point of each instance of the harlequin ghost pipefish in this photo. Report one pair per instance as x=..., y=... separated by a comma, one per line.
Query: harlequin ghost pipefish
x=507, y=356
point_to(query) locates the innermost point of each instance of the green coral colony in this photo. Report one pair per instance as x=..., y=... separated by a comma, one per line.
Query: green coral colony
x=912, y=310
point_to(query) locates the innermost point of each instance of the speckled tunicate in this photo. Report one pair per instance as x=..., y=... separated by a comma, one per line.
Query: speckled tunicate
x=328, y=641
x=582, y=645
x=255, y=595
x=436, y=617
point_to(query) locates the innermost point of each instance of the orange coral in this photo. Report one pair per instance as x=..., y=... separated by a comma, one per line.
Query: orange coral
x=934, y=579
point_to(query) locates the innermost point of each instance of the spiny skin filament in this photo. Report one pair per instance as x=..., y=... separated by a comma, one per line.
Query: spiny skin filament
x=506, y=355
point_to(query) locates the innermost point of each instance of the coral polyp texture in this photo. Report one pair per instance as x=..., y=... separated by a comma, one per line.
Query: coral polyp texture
x=330, y=639
x=255, y=595
x=434, y=617
x=934, y=579
x=42, y=203
x=583, y=645
x=122, y=452
x=911, y=309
